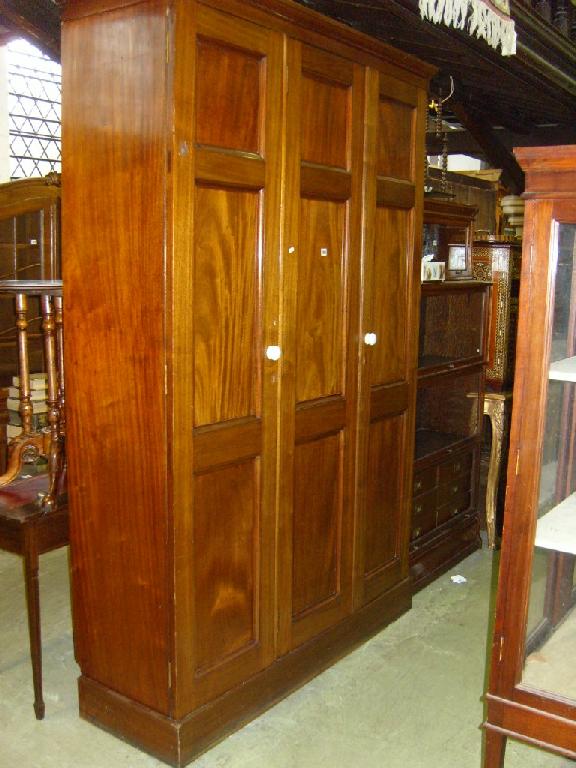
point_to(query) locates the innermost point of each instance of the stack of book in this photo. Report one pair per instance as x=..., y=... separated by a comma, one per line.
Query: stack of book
x=38, y=400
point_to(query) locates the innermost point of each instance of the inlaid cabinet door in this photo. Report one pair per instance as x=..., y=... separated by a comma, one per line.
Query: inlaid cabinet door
x=389, y=316
x=320, y=319
x=227, y=159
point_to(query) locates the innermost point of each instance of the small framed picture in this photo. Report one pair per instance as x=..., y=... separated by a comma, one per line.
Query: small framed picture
x=458, y=261
x=433, y=270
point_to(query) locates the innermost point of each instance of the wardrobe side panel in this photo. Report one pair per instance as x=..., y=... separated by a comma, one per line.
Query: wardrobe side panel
x=113, y=215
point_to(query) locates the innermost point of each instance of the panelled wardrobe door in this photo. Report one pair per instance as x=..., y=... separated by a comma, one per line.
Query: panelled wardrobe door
x=393, y=199
x=227, y=236
x=321, y=264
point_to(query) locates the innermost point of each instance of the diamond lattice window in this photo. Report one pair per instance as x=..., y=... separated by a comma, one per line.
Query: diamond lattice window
x=33, y=111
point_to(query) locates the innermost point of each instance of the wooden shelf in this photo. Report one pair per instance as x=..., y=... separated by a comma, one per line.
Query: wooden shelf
x=563, y=370
x=557, y=529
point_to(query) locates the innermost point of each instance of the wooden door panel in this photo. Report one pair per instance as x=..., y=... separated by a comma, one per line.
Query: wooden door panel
x=321, y=331
x=228, y=150
x=317, y=523
x=389, y=311
x=396, y=130
x=228, y=97
x=325, y=105
x=226, y=267
x=226, y=554
x=320, y=300
x=383, y=504
x=390, y=296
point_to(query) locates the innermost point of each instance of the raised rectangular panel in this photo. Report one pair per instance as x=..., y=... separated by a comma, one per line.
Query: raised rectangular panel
x=395, y=151
x=320, y=300
x=325, y=117
x=317, y=522
x=392, y=257
x=226, y=555
x=226, y=312
x=383, y=507
x=229, y=97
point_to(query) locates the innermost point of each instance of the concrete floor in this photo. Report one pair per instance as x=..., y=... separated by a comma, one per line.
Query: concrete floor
x=408, y=698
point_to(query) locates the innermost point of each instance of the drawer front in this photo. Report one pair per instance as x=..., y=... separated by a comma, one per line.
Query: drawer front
x=424, y=503
x=454, y=488
x=423, y=514
x=457, y=465
x=459, y=503
x=424, y=481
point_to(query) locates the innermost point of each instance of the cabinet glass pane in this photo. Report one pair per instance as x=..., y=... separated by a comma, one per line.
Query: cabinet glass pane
x=451, y=328
x=446, y=412
x=21, y=247
x=551, y=628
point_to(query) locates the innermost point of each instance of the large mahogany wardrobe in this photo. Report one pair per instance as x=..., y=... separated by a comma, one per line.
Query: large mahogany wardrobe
x=242, y=209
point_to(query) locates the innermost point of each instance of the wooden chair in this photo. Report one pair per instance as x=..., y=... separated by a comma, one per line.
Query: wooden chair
x=33, y=509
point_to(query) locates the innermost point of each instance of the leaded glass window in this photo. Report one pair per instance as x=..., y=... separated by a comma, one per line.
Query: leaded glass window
x=33, y=111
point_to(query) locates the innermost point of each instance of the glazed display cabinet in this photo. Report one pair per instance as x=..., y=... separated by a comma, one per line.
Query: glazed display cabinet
x=532, y=689
x=448, y=231
x=451, y=366
x=29, y=250
x=243, y=187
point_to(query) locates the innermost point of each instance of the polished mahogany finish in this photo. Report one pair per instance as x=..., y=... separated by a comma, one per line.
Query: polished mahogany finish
x=240, y=502
x=535, y=592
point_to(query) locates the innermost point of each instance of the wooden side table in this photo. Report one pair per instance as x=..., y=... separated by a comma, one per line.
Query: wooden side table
x=497, y=406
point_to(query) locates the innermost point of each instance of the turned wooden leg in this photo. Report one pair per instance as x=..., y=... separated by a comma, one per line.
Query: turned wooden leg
x=494, y=749
x=34, y=631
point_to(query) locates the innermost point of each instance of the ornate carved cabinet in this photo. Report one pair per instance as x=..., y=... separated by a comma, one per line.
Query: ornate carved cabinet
x=532, y=694
x=243, y=181
x=451, y=365
x=500, y=261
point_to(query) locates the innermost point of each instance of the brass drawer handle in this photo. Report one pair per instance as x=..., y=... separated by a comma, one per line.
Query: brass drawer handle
x=455, y=488
x=418, y=485
x=418, y=509
x=416, y=533
x=455, y=512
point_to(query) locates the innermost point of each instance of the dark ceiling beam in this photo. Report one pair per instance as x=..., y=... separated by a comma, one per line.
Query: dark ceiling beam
x=496, y=152
x=38, y=21
x=544, y=67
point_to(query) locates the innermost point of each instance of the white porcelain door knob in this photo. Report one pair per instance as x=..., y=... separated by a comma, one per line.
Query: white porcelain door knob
x=370, y=339
x=273, y=353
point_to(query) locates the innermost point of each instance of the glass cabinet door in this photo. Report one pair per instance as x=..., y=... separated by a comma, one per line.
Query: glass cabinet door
x=551, y=622
x=452, y=323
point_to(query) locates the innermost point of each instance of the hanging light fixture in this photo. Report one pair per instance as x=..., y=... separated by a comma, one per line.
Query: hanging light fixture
x=437, y=107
